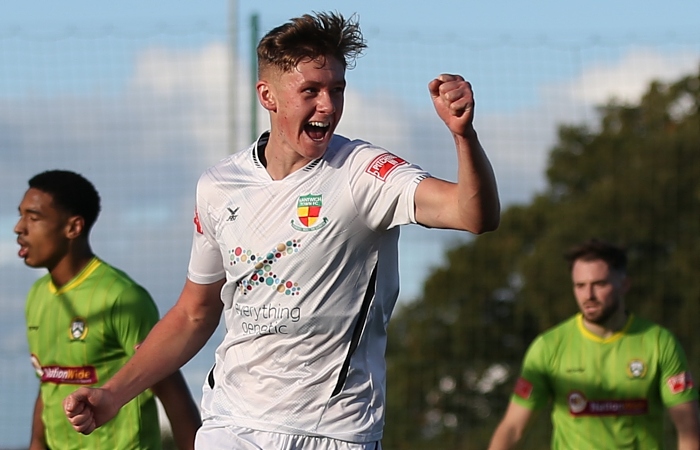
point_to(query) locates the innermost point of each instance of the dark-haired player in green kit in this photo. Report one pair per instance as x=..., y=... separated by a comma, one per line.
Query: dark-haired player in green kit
x=85, y=319
x=608, y=373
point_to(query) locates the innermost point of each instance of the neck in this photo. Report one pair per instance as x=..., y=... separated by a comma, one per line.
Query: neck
x=279, y=159
x=70, y=265
x=607, y=328
x=279, y=170
x=280, y=165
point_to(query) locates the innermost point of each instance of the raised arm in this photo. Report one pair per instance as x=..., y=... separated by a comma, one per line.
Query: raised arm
x=685, y=418
x=471, y=204
x=175, y=339
x=511, y=429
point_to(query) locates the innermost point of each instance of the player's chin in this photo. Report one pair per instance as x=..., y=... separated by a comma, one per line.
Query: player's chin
x=312, y=155
x=315, y=148
x=33, y=263
x=591, y=315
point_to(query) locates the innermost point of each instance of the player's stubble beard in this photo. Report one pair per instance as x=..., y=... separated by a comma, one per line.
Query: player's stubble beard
x=602, y=317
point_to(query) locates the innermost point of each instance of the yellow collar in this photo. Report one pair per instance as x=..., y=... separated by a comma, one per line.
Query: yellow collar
x=78, y=279
x=594, y=337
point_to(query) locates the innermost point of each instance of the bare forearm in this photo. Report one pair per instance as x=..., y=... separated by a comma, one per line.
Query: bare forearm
x=477, y=192
x=689, y=433
x=512, y=427
x=504, y=439
x=38, y=437
x=173, y=341
x=685, y=419
x=688, y=443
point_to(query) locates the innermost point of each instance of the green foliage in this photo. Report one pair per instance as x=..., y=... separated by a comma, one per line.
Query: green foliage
x=455, y=352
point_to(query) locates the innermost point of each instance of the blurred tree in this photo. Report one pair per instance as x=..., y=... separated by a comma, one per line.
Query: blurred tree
x=454, y=353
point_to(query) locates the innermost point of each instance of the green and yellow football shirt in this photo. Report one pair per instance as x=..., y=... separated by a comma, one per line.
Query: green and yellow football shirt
x=81, y=335
x=605, y=393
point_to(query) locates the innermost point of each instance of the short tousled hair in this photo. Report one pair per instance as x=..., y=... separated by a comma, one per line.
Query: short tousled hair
x=595, y=249
x=311, y=37
x=71, y=192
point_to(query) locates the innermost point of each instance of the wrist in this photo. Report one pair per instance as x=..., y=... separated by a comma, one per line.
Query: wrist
x=467, y=137
x=118, y=395
x=469, y=132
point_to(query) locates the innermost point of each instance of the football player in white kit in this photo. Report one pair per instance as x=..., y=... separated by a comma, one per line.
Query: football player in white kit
x=296, y=243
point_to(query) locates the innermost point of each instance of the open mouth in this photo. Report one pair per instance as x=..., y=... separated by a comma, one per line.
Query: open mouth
x=317, y=130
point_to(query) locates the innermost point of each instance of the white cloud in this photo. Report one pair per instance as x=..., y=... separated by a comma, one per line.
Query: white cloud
x=167, y=73
x=629, y=77
x=379, y=119
x=519, y=142
x=192, y=82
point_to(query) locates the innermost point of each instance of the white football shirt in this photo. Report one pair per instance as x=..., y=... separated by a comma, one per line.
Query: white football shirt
x=311, y=267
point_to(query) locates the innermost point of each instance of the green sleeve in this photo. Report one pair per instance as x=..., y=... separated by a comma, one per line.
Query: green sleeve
x=133, y=315
x=30, y=310
x=533, y=390
x=677, y=385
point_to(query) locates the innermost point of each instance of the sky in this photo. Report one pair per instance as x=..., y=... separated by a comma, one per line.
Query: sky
x=496, y=18
x=481, y=24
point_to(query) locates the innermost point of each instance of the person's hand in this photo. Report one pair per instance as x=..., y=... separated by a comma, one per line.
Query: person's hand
x=89, y=408
x=454, y=102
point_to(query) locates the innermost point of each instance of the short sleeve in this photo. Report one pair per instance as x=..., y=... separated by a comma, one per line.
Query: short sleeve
x=133, y=315
x=532, y=389
x=383, y=186
x=677, y=384
x=205, y=266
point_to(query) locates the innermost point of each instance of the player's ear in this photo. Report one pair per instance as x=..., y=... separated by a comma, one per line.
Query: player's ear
x=74, y=227
x=266, y=96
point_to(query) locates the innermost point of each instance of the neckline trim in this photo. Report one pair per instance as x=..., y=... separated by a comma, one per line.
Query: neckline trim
x=78, y=279
x=594, y=337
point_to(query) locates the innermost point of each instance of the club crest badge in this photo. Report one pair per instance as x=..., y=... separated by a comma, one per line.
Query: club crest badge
x=636, y=369
x=577, y=402
x=309, y=213
x=78, y=329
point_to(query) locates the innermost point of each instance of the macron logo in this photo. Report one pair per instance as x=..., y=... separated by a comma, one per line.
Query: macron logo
x=233, y=214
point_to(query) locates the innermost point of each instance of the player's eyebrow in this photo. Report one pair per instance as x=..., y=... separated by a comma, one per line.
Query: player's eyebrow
x=29, y=211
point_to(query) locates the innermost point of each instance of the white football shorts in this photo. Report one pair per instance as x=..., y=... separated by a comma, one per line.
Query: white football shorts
x=226, y=437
